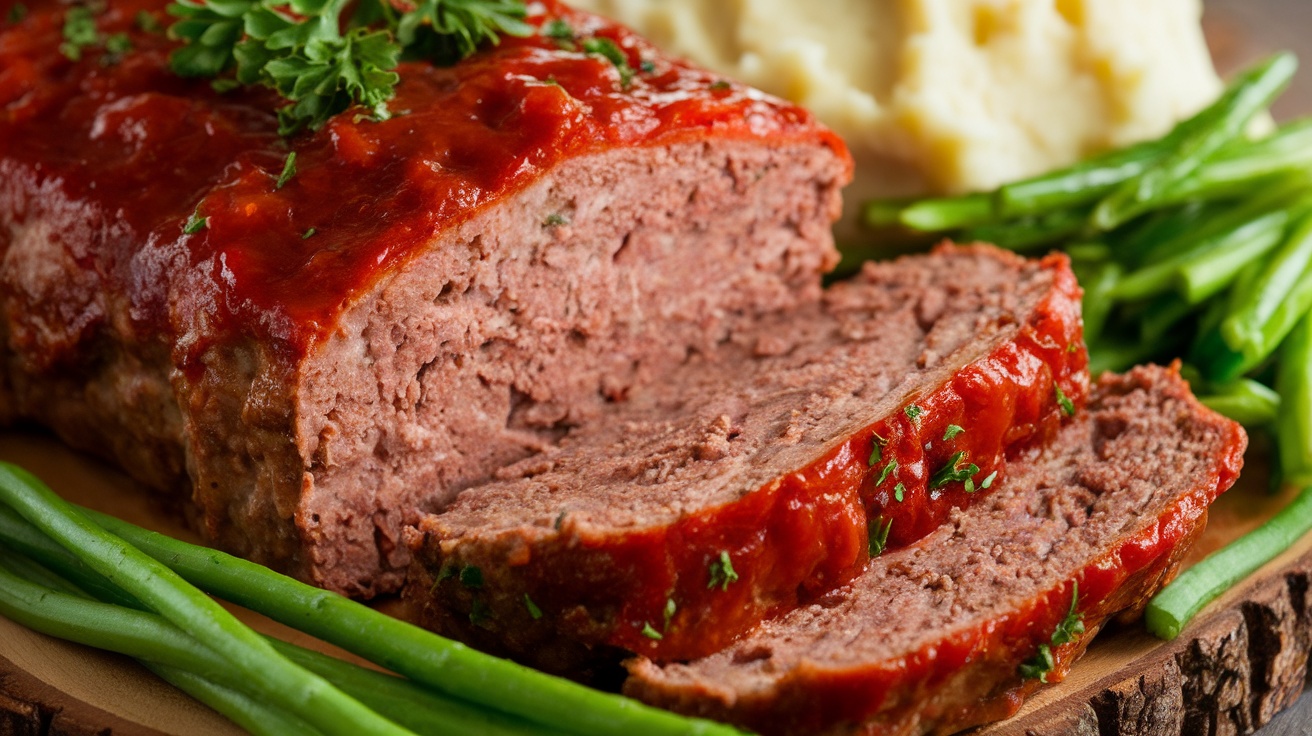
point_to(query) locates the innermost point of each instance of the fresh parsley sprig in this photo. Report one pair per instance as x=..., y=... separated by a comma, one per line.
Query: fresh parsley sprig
x=324, y=56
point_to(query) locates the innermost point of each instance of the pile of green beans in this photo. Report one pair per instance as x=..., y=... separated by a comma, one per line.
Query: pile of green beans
x=89, y=578
x=1196, y=245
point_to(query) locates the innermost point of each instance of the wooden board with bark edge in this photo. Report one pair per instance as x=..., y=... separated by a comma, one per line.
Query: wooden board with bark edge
x=1234, y=668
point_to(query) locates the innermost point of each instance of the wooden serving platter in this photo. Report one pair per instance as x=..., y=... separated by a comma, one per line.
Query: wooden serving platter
x=1243, y=660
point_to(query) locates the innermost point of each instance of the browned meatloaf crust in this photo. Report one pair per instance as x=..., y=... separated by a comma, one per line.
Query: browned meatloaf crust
x=428, y=299
x=771, y=458
x=929, y=638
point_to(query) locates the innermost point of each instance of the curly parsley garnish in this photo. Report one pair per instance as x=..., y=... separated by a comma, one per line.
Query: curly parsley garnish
x=324, y=56
x=1070, y=629
x=722, y=572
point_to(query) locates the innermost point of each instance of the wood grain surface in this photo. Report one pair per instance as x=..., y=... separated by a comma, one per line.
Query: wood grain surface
x=1243, y=661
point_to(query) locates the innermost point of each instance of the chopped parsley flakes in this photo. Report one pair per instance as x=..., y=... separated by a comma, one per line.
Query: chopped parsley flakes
x=195, y=223
x=722, y=572
x=533, y=611
x=876, y=449
x=651, y=633
x=952, y=431
x=471, y=577
x=887, y=471
x=1067, y=406
x=877, y=530
x=609, y=49
x=913, y=412
x=79, y=32
x=288, y=171
x=899, y=491
x=559, y=30
x=670, y=610
x=952, y=471
x=1068, y=630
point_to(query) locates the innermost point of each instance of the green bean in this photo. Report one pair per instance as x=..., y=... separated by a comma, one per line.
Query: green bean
x=1159, y=235
x=1029, y=233
x=150, y=637
x=282, y=683
x=1118, y=355
x=1221, y=122
x=1246, y=401
x=395, y=645
x=1256, y=303
x=881, y=213
x=1245, y=165
x=106, y=626
x=1211, y=271
x=1228, y=364
x=1243, y=227
x=1294, y=384
x=1177, y=603
x=1097, y=303
x=1162, y=314
x=1081, y=184
x=242, y=710
x=408, y=703
x=250, y=714
x=948, y=213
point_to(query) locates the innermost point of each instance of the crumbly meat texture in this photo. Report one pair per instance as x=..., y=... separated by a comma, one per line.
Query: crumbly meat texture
x=929, y=639
x=759, y=453
x=480, y=341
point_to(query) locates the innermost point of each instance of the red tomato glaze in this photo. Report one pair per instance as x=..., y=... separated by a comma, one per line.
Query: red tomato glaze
x=137, y=151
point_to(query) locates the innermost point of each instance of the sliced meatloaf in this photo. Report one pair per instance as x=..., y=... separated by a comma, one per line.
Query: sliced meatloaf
x=311, y=348
x=763, y=473
x=956, y=629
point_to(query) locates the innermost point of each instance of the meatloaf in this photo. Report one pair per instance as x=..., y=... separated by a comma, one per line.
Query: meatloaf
x=309, y=349
x=766, y=472
x=956, y=629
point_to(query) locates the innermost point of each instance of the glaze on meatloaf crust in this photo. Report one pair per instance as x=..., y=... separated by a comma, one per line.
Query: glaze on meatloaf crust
x=930, y=639
x=429, y=298
x=763, y=474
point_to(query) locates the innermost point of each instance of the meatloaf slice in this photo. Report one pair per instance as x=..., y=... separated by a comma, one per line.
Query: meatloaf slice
x=311, y=351
x=763, y=473
x=955, y=630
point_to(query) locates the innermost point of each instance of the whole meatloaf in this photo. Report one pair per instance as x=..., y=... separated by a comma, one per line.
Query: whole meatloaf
x=758, y=476
x=958, y=628
x=312, y=349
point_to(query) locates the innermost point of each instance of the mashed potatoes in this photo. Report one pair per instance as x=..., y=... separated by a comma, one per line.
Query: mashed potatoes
x=952, y=95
